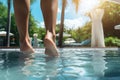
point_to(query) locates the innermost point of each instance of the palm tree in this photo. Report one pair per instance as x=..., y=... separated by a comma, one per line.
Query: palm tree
x=64, y=3
x=8, y=23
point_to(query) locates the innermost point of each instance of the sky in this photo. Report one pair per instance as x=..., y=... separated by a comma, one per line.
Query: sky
x=73, y=19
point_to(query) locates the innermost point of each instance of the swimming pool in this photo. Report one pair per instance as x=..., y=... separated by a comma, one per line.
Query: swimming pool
x=73, y=64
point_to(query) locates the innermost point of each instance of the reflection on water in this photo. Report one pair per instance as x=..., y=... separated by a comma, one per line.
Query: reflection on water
x=113, y=64
x=73, y=64
x=99, y=62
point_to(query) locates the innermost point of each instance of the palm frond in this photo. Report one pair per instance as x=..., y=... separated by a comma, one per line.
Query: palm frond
x=76, y=2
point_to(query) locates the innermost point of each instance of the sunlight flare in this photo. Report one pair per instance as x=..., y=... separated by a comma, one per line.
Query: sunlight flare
x=87, y=6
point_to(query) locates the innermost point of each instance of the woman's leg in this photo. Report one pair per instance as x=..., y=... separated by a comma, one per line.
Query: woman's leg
x=21, y=8
x=49, y=10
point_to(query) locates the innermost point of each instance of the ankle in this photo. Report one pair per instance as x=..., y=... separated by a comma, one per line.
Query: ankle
x=25, y=45
x=51, y=35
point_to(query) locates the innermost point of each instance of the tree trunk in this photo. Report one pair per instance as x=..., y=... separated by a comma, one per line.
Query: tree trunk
x=8, y=24
x=62, y=23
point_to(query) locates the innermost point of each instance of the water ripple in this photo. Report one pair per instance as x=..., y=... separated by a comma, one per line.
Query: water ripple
x=73, y=64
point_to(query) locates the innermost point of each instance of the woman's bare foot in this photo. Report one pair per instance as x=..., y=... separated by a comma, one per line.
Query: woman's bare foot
x=50, y=46
x=26, y=47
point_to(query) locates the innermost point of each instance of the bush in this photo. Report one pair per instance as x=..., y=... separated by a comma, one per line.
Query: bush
x=112, y=41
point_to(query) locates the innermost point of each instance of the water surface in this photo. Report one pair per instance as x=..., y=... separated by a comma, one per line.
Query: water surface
x=73, y=64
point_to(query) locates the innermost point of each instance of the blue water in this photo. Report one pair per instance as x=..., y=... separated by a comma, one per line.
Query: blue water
x=73, y=64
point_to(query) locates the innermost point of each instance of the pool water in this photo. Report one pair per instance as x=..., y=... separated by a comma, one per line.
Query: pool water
x=73, y=64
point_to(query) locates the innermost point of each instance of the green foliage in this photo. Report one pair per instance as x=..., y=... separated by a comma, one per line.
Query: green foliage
x=58, y=28
x=14, y=29
x=3, y=17
x=81, y=34
x=111, y=18
x=32, y=26
x=3, y=9
x=112, y=41
x=32, y=1
x=41, y=33
x=3, y=22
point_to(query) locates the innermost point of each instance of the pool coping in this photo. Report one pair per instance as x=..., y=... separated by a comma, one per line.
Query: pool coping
x=65, y=48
